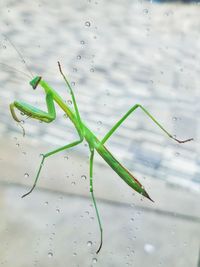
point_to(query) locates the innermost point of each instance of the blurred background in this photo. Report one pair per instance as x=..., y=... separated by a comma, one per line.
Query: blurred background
x=115, y=54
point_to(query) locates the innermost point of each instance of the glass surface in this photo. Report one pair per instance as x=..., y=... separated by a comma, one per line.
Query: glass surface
x=115, y=54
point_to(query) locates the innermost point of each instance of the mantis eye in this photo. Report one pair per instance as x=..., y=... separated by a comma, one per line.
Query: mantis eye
x=34, y=83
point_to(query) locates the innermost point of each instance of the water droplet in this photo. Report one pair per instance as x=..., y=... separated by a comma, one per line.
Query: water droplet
x=46, y=202
x=89, y=243
x=74, y=254
x=87, y=24
x=149, y=248
x=99, y=122
x=79, y=57
x=75, y=70
x=185, y=244
x=174, y=118
x=94, y=260
x=73, y=183
x=177, y=154
x=82, y=42
x=69, y=102
x=132, y=219
x=22, y=113
x=22, y=121
x=65, y=116
x=66, y=157
x=17, y=144
x=26, y=175
x=145, y=11
x=91, y=70
x=73, y=83
x=84, y=177
x=50, y=254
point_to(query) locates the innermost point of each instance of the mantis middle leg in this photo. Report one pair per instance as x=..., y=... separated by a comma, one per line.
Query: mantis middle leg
x=44, y=156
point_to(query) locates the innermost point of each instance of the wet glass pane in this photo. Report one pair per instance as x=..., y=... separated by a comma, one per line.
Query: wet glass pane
x=115, y=54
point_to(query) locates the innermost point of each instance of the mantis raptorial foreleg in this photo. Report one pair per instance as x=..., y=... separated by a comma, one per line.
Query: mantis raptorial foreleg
x=44, y=156
x=93, y=198
x=34, y=112
x=149, y=115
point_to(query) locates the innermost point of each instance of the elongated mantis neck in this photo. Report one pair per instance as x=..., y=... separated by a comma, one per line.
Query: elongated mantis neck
x=70, y=113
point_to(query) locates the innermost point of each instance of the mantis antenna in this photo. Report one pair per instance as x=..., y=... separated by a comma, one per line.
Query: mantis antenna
x=19, y=54
x=15, y=69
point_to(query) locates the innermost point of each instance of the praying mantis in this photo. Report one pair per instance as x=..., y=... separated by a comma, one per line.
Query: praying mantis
x=84, y=134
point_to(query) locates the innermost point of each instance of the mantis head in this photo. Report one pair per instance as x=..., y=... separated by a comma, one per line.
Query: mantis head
x=34, y=83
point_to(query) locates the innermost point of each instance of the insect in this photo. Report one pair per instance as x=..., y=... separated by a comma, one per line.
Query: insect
x=84, y=133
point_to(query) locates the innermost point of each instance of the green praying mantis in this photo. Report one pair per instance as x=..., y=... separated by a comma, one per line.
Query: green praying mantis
x=84, y=134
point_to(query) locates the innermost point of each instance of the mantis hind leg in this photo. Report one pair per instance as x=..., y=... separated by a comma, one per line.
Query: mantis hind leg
x=94, y=200
x=150, y=116
x=44, y=156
